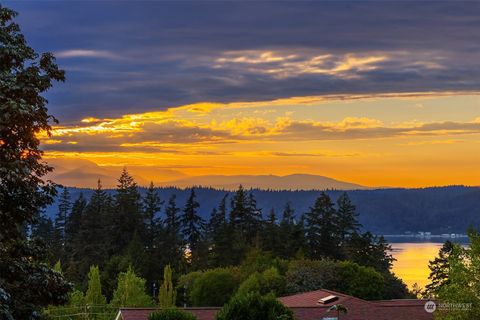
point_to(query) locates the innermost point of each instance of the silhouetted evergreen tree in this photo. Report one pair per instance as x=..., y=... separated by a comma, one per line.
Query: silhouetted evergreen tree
x=270, y=235
x=370, y=251
x=219, y=235
x=439, y=268
x=127, y=218
x=153, y=234
x=253, y=218
x=91, y=246
x=72, y=239
x=238, y=217
x=346, y=217
x=287, y=233
x=321, y=229
x=172, y=242
x=44, y=229
x=151, y=207
x=74, y=221
x=61, y=217
x=239, y=211
x=193, y=228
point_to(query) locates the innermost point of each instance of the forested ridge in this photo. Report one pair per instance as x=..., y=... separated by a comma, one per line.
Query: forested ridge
x=450, y=209
x=238, y=246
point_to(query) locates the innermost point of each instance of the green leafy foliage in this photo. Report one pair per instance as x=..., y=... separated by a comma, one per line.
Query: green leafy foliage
x=167, y=294
x=171, y=314
x=462, y=288
x=307, y=275
x=94, y=292
x=130, y=291
x=254, y=306
x=27, y=283
x=184, y=287
x=359, y=281
x=269, y=281
x=439, y=269
x=214, y=287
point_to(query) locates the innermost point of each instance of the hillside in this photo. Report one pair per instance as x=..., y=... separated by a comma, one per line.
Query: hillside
x=383, y=211
x=272, y=182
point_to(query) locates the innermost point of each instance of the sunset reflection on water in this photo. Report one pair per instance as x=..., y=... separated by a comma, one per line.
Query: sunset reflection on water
x=412, y=261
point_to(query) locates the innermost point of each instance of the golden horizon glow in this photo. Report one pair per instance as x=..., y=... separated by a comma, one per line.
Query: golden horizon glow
x=404, y=139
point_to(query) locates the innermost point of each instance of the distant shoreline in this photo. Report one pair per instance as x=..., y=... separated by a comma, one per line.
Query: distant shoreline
x=434, y=238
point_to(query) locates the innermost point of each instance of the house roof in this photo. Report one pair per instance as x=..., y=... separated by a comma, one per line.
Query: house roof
x=143, y=313
x=311, y=299
x=306, y=307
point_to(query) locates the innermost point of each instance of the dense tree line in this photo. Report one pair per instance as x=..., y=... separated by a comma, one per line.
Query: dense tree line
x=116, y=231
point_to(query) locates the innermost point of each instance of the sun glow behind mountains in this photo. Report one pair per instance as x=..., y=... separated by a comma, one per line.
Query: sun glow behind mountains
x=408, y=139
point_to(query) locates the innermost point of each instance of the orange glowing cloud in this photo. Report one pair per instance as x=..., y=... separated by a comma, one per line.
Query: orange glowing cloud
x=347, y=138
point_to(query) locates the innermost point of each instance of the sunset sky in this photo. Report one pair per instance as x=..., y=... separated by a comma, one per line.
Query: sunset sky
x=375, y=93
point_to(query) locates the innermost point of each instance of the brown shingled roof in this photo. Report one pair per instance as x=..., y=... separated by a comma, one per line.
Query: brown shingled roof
x=142, y=314
x=306, y=307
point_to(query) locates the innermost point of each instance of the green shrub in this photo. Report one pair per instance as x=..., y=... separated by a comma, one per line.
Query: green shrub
x=171, y=314
x=270, y=281
x=214, y=288
x=257, y=260
x=308, y=275
x=254, y=306
x=130, y=291
x=359, y=281
x=184, y=287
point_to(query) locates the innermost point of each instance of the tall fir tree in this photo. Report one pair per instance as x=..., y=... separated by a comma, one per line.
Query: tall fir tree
x=153, y=233
x=151, y=207
x=219, y=234
x=321, y=229
x=193, y=227
x=287, y=234
x=44, y=228
x=271, y=241
x=172, y=243
x=127, y=218
x=61, y=217
x=73, y=222
x=239, y=226
x=92, y=246
x=64, y=207
x=346, y=216
x=239, y=212
x=72, y=230
x=245, y=217
x=253, y=219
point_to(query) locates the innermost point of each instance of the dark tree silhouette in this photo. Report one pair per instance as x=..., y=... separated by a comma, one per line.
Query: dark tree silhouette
x=27, y=283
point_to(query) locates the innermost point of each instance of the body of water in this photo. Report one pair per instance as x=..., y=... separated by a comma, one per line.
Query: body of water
x=413, y=255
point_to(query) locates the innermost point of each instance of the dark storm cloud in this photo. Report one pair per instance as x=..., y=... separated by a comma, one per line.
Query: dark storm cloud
x=126, y=57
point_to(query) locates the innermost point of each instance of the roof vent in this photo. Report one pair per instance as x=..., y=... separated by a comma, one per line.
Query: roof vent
x=328, y=299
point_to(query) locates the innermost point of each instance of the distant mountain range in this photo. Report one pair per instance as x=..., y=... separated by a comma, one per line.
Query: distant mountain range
x=289, y=182
x=84, y=173
x=383, y=211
